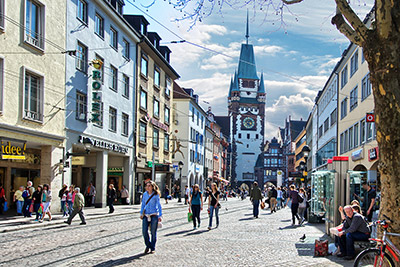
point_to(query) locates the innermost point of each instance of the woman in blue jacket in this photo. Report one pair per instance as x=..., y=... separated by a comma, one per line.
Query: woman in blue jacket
x=150, y=214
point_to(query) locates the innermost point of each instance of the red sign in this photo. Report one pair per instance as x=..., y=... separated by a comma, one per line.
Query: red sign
x=370, y=117
x=340, y=158
x=330, y=161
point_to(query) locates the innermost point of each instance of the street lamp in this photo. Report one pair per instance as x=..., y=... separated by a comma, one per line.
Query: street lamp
x=306, y=152
x=180, y=164
x=87, y=144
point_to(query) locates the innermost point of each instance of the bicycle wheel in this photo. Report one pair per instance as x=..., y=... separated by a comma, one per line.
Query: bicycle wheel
x=370, y=257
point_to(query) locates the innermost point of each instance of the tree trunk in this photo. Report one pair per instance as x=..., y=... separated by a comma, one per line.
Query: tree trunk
x=383, y=57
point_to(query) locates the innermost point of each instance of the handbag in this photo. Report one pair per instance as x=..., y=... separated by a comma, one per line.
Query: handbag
x=190, y=216
x=31, y=208
x=159, y=225
x=300, y=199
x=321, y=248
x=262, y=205
x=5, y=206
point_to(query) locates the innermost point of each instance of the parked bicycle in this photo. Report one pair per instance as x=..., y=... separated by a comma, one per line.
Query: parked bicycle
x=384, y=254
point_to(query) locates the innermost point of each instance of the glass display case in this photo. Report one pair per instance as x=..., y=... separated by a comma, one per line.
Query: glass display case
x=322, y=194
x=356, y=180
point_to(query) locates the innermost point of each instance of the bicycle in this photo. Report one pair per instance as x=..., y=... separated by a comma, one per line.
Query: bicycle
x=379, y=256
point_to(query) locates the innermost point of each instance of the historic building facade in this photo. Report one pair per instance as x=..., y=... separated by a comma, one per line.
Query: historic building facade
x=246, y=107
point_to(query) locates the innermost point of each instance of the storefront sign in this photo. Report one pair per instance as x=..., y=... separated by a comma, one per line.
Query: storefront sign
x=78, y=161
x=105, y=145
x=373, y=154
x=11, y=150
x=156, y=122
x=96, y=92
x=115, y=171
x=162, y=167
x=357, y=155
x=340, y=158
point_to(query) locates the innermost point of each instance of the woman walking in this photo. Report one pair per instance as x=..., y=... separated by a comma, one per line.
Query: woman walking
x=111, y=196
x=213, y=204
x=70, y=198
x=302, y=205
x=19, y=200
x=150, y=214
x=37, y=201
x=166, y=194
x=196, y=203
x=294, y=196
x=47, y=197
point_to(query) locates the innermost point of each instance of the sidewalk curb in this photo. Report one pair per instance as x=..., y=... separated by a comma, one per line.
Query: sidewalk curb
x=61, y=221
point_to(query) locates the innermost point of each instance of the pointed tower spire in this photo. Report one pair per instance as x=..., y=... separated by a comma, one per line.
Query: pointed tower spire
x=261, y=88
x=247, y=28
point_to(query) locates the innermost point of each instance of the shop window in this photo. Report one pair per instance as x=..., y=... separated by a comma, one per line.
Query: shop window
x=142, y=132
x=99, y=25
x=34, y=23
x=113, y=78
x=125, y=124
x=82, y=11
x=33, y=97
x=113, y=119
x=81, y=106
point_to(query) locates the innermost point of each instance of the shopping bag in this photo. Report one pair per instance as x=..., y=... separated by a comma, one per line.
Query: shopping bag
x=262, y=205
x=190, y=216
x=31, y=208
x=5, y=206
x=321, y=248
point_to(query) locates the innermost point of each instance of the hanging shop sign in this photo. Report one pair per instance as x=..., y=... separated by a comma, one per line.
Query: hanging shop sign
x=357, y=155
x=105, y=145
x=373, y=154
x=370, y=117
x=78, y=160
x=96, y=91
x=12, y=149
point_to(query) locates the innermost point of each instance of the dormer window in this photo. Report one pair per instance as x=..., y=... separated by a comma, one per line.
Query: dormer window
x=142, y=28
x=119, y=8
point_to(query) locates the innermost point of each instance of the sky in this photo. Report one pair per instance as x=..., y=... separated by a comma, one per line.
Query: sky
x=296, y=54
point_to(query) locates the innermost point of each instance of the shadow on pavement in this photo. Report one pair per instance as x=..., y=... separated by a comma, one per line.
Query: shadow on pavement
x=179, y=232
x=288, y=220
x=288, y=227
x=197, y=232
x=120, y=261
x=247, y=219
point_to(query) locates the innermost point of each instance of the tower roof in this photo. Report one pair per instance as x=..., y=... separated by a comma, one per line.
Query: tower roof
x=247, y=63
x=261, y=88
x=235, y=83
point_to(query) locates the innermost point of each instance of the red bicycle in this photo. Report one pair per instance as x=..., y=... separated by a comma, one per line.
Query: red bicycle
x=385, y=252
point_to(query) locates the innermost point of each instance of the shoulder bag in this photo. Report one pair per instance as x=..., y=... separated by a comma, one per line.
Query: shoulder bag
x=147, y=202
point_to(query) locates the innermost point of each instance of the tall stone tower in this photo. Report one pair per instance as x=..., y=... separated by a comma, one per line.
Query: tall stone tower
x=246, y=107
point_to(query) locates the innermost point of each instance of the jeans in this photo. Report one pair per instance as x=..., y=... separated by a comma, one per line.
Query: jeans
x=70, y=204
x=64, y=208
x=279, y=200
x=196, y=214
x=212, y=209
x=150, y=243
x=346, y=242
x=256, y=203
x=25, y=207
x=20, y=204
x=294, y=208
x=301, y=212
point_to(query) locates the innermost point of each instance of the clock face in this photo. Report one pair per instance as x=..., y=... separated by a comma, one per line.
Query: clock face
x=248, y=122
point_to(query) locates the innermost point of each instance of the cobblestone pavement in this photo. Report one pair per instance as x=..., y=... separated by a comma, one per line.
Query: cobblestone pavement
x=240, y=240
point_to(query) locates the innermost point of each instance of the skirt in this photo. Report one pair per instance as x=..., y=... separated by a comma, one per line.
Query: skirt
x=46, y=207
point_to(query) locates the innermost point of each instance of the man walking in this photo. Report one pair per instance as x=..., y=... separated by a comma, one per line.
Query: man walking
x=255, y=197
x=27, y=195
x=272, y=199
x=79, y=203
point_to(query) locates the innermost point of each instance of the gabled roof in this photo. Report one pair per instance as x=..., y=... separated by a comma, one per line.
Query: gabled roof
x=179, y=92
x=247, y=63
x=225, y=123
x=296, y=127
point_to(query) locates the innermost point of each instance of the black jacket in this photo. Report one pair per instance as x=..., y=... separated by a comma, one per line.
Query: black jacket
x=111, y=194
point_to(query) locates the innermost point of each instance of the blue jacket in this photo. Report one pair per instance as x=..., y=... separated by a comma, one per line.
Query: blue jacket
x=154, y=205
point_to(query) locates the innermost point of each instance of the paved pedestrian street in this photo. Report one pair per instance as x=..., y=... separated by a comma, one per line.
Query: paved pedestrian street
x=240, y=240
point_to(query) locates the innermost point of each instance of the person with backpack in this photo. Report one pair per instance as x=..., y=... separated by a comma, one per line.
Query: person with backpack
x=3, y=198
x=19, y=200
x=151, y=215
x=196, y=204
x=294, y=197
x=27, y=195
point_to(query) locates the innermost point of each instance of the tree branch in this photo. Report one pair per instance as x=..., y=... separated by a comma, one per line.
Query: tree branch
x=355, y=22
x=291, y=2
x=384, y=17
x=345, y=29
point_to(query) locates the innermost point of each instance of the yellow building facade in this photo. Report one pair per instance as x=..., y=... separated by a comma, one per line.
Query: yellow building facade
x=32, y=83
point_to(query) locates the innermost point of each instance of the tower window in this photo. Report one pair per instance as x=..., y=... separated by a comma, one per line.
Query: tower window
x=248, y=136
x=240, y=135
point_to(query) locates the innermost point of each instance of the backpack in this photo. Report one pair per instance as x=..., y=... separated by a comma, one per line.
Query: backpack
x=26, y=194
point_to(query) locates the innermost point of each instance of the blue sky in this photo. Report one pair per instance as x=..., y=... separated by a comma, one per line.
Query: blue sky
x=296, y=59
